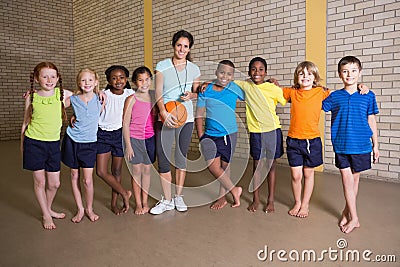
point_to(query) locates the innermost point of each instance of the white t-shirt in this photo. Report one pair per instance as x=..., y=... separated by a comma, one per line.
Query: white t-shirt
x=178, y=82
x=111, y=117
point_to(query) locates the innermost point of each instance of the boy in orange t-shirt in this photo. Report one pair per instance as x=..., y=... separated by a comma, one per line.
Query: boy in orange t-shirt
x=303, y=144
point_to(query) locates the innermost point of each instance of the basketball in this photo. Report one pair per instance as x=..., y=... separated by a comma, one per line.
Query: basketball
x=178, y=110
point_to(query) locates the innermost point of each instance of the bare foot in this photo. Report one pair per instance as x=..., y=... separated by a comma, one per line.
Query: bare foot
x=270, y=207
x=295, y=210
x=57, y=215
x=126, y=201
x=219, y=204
x=254, y=205
x=91, y=215
x=116, y=210
x=350, y=226
x=78, y=217
x=303, y=212
x=345, y=218
x=236, y=192
x=145, y=209
x=48, y=223
x=138, y=210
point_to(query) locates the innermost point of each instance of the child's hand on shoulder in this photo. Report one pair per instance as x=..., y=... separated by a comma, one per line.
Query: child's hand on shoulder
x=102, y=97
x=203, y=86
x=274, y=81
x=363, y=89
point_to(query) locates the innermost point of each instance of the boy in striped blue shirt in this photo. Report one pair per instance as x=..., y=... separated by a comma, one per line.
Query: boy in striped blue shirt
x=353, y=126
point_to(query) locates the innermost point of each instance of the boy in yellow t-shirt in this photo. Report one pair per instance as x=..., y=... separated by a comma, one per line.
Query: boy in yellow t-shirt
x=264, y=127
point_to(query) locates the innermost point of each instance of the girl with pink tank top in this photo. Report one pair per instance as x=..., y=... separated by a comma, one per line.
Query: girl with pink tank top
x=139, y=138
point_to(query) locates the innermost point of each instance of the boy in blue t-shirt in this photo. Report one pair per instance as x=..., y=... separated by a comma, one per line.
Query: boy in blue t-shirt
x=353, y=127
x=218, y=141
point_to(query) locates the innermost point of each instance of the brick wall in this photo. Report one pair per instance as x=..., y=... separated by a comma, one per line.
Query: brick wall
x=31, y=32
x=370, y=30
x=108, y=33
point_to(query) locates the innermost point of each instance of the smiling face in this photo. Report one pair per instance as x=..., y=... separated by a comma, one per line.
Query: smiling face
x=181, y=48
x=47, y=79
x=87, y=82
x=224, y=74
x=117, y=80
x=257, y=72
x=143, y=82
x=305, y=79
x=350, y=74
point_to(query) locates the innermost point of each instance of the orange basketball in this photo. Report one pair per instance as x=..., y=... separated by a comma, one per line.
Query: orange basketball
x=178, y=110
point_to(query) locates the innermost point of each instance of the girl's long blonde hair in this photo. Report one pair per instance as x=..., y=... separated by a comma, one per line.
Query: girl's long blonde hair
x=311, y=67
x=96, y=90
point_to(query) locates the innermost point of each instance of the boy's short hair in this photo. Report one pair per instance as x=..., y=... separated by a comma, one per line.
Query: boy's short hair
x=257, y=59
x=227, y=63
x=348, y=60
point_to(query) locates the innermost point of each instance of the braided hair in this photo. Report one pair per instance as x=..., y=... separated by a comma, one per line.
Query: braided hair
x=35, y=76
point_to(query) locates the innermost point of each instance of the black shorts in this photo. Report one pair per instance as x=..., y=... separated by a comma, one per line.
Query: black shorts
x=218, y=146
x=41, y=155
x=357, y=162
x=304, y=152
x=110, y=141
x=78, y=155
x=266, y=145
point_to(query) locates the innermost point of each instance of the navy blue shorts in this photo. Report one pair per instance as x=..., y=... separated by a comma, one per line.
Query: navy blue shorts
x=41, y=155
x=357, y=162
x=304, y=152
x=266, y=145
x=144, y=150
x=110, y=141
x=218, y=146
x=78, y=155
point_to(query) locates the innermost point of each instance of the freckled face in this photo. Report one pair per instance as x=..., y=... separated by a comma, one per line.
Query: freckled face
x=47, y=79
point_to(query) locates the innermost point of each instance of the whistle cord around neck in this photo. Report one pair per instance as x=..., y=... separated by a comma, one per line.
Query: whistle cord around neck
x=177, y=76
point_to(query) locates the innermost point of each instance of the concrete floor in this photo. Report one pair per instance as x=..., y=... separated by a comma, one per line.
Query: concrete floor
x=199, y=237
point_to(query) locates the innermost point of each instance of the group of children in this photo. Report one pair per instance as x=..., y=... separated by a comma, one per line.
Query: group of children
x=353, y=127
x=102, y=119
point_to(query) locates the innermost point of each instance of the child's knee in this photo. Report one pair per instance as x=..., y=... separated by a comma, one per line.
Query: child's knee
x=54, y=185
x=116, y=172
x=88, y=182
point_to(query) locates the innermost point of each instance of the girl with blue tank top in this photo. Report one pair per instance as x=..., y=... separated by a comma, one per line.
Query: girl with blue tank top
x=79, y=147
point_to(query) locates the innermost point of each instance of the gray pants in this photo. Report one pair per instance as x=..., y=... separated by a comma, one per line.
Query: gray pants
x=165, y=138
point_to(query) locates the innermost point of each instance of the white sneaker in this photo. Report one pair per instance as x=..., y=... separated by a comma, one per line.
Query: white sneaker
x=179, y=203
x=162, y=205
